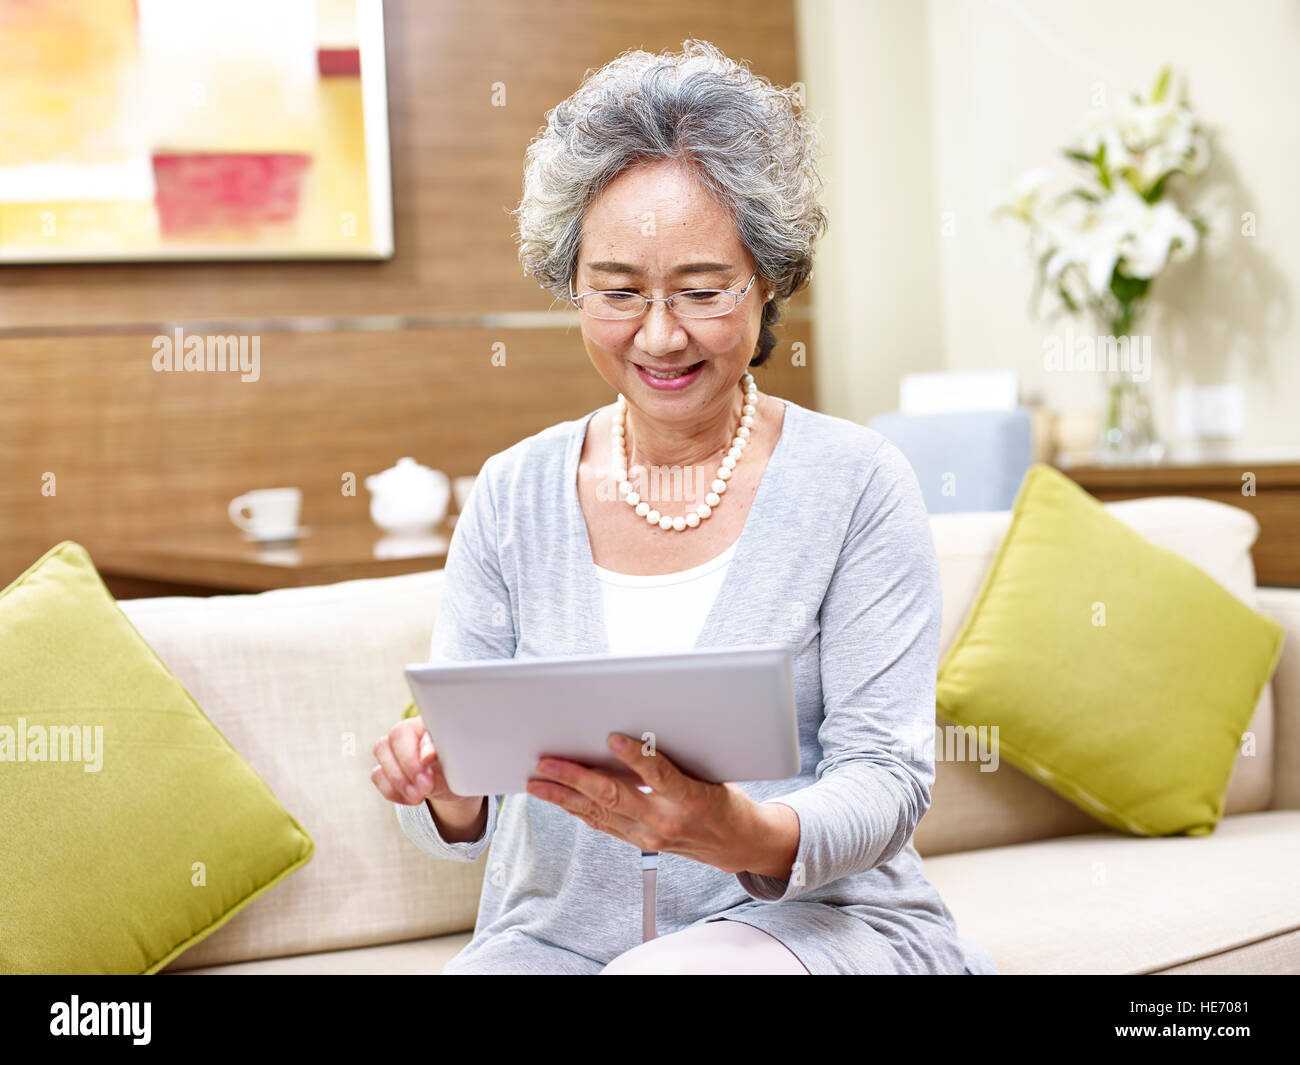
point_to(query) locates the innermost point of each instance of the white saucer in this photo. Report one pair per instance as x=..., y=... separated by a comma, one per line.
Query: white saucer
x=278, y=538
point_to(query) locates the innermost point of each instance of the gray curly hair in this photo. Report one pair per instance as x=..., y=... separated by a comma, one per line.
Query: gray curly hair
x=750, y=143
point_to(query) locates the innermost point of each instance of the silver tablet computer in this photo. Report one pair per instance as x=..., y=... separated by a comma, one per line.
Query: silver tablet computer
x=719, y=715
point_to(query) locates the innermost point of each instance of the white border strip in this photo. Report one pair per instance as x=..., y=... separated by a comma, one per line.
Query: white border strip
x=374, y=103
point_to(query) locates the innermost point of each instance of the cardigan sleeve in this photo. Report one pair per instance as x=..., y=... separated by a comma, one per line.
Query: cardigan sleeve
x=474, y=621
x=879, y=650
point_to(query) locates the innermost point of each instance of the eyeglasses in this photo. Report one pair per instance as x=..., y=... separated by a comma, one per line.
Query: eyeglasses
x=616, y=305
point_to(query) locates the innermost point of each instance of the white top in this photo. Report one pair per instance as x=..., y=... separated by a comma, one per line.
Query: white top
x=663, y=612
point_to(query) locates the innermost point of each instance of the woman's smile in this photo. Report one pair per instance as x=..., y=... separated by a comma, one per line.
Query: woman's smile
x=670, y=379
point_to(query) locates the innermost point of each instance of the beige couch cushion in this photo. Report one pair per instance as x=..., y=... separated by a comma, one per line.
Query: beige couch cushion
x=1276, y=956
x=970, y=808
x=1283, y=604
x=1109, y=903
x=418, y=957
x=303, y=682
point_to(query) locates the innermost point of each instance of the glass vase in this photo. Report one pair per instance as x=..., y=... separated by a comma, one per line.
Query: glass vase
x=1128, y=435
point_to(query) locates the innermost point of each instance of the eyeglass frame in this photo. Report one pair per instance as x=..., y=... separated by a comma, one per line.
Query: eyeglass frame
x=668, y=300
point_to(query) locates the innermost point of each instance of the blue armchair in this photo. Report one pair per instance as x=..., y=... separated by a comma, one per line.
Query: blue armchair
x=972, y=460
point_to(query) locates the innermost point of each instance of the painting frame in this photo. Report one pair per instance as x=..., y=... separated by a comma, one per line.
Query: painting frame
x=24, y=245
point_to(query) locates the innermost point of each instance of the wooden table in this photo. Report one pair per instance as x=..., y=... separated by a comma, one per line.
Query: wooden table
x=222, y=562
x=1275, y=502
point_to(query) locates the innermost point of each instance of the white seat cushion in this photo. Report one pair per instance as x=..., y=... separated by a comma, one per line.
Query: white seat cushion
x=1104, y=902
x=418, y=957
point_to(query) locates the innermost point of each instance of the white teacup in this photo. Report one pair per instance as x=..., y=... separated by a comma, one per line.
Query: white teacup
x=272, y=513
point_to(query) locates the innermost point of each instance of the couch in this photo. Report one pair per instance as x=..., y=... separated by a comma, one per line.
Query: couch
x=302, y=681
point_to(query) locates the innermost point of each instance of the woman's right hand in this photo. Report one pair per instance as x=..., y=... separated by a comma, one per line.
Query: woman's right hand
x=409, y=770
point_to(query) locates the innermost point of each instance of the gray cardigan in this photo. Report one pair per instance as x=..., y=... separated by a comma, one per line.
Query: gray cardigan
x=835, y=561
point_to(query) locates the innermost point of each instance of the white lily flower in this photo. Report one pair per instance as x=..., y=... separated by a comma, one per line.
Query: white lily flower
x=1147, y=232
x=1031, y=181
x=1024, y=197
x=1085, y=237
x=1080, y=238
x=1101, y=128
x=1145, y=124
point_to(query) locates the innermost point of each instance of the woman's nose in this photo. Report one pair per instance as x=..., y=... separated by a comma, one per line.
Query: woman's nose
x=658, y=327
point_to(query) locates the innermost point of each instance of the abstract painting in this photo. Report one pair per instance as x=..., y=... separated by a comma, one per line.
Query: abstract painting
x=210, y=129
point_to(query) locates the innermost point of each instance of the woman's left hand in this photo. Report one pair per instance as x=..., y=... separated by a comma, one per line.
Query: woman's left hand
x=717, y=824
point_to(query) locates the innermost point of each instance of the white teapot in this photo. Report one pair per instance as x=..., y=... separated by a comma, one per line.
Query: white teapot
x=408, y=499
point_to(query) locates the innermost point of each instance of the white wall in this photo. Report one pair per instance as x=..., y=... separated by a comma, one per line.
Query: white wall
x=875, y=294
x=1004, y=84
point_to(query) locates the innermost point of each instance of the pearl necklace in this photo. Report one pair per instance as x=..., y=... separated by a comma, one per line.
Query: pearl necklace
x=618, y=433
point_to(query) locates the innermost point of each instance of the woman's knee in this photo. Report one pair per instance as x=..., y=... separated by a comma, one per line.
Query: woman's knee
x=643, y=960
x=715, y=947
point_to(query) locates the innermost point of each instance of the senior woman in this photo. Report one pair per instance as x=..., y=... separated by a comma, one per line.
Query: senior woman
x=673, y=199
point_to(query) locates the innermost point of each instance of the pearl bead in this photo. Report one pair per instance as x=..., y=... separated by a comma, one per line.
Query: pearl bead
x=748, y=408
x=652, y=517
x=724, y=474
x=625, y=489
x=719, y=486
x=711, y=500
x=704, y=510
x=692, y=519
x=743, y=431
x=729, y=462
x=665, y=522
x=634, y=498
x=678, y=524
x=642, y=509
x=747, y=420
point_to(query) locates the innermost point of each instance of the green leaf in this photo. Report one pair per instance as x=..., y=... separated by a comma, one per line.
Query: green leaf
x=1103, y=174
x=1128, y=289
x=1133, y=178
x=1161, y=86
x=1157, y=190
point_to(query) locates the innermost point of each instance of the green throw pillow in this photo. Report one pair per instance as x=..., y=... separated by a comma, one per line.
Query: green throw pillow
x=1117, y=673
x=130, y=828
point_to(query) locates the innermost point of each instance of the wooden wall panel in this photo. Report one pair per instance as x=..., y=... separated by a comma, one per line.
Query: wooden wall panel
x=137, y=453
